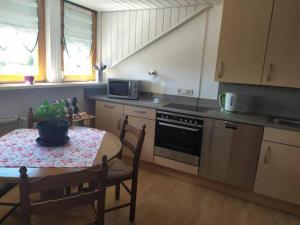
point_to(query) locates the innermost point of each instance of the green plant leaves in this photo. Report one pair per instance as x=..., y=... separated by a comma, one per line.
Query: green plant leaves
x=50, y=112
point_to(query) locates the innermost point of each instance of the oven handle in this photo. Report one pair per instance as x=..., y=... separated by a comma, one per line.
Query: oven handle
x=175, y=121
x=179, y=127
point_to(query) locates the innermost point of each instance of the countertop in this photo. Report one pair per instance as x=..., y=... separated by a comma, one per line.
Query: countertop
x=214, y=113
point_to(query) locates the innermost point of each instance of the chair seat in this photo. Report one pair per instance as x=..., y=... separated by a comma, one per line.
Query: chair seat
x=118, y=171
x=4, y=188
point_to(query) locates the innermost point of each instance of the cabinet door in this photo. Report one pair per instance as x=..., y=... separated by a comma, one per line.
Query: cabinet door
x=109, y=117
x=230, y=152
x=243, y=40
x=282, y=63
x=278, y=172
x=148, y=147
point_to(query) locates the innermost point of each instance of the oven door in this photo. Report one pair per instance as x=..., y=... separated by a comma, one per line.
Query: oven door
x=118, y=89
x=178, y=142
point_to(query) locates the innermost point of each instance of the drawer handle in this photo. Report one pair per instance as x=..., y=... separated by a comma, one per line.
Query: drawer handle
x=269, y=77
x=268, y=155
x=230, y=126
x=221, y=70
x=109, y=106
x=140, y=112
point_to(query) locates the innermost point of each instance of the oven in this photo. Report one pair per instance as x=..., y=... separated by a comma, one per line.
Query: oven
x=178, y=137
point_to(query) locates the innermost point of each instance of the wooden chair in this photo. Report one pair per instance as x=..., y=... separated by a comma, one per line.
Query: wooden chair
x=4, y=189
x=118, y=171
x=95, y=177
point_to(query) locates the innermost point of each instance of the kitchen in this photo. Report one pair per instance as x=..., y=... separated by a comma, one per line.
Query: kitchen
x=216, y=85
x=237, y=145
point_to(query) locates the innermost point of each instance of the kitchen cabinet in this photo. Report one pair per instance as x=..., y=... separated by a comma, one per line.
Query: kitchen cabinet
x=230, y=152
x=243, y=40
x=139, y=116
x=109, y=117
x=140, y=112
x=278, y=169
x=282, y=64
x=148, y=147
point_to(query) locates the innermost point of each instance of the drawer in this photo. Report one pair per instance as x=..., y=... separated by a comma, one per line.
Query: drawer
x=282, y=136
x=109, y=106
x=176, y=165
x=139, y=112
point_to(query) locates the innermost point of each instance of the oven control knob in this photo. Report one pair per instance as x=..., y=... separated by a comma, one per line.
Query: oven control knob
x=195, y=122
x=191, y=121
x=186, y=121
x=167, y=117
x=180, y=119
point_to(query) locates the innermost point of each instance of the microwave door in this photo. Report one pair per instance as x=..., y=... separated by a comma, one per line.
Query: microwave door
x=119, y=89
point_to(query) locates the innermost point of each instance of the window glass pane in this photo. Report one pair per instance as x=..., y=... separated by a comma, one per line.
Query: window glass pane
x=18, y=40
x=78, y=32
x=17, y=56
x=77, y=59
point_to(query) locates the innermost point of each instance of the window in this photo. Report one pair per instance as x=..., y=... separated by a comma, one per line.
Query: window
x=79, y=38
x=22, y=36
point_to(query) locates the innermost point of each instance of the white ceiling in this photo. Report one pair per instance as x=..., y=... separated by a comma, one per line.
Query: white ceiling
x=117, y=5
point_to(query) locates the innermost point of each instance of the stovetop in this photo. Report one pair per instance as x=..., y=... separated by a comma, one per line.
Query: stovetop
x=194, y=108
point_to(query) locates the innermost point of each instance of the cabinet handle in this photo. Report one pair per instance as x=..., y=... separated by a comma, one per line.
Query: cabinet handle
x=268, y=155
x=109, y=106
x=119, y=124
x=231, y=125
x=269, y=77
x=221, y=70
x=141, y=112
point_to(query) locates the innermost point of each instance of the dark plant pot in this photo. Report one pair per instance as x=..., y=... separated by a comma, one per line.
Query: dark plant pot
x=53, y=132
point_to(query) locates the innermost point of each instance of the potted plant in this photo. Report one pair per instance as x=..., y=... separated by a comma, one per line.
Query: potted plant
x=52, y=125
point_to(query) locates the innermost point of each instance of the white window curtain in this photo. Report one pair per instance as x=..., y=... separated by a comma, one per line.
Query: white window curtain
x=78, y=30
x=22, y=17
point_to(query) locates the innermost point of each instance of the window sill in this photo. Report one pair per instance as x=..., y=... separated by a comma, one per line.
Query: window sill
x=49, y=85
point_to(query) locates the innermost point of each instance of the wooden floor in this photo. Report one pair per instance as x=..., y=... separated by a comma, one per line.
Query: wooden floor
x=164, y=200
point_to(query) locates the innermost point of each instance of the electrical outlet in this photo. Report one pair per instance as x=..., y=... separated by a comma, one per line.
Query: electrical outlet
x=189, y=92
x=185, y=92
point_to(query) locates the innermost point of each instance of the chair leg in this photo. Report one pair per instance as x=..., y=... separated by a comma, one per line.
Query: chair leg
x=117, y=193
x=101, y=209
x=26, y=218
x=133, y=201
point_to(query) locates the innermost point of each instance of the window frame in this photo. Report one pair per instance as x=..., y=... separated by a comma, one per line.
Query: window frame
x=93, y=56
x=41, y=76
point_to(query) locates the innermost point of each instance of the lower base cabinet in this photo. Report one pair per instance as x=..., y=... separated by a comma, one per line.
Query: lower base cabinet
x=278, y=172
x=148, y=147
x=109, y=117
x=230, y=152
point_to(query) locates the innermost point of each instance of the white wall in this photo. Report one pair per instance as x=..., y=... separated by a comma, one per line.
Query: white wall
x=124, y=32
x=184, y=58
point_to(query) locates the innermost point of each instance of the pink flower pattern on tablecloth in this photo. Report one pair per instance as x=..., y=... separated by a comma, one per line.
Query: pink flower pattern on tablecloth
x=19, y=148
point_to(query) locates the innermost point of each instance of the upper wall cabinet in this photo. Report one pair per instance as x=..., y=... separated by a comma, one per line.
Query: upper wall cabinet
x=282, y=65
x=243, y=40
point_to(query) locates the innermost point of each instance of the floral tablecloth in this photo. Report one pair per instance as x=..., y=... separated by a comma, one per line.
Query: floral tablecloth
x=19, y=148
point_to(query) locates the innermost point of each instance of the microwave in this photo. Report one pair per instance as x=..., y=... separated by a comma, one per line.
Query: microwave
x=126, y=89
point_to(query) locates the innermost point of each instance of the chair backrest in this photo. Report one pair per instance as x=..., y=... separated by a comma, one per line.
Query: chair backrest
x=95, y=177
x=71, y=104
x=139, y=136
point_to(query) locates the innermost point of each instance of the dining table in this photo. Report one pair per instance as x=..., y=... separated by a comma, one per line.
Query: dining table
x=85, y=149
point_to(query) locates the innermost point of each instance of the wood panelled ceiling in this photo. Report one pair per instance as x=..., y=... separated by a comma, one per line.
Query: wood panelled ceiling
x=117, y=5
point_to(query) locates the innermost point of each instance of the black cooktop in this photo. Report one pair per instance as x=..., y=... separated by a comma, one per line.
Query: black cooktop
x=194, y=108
